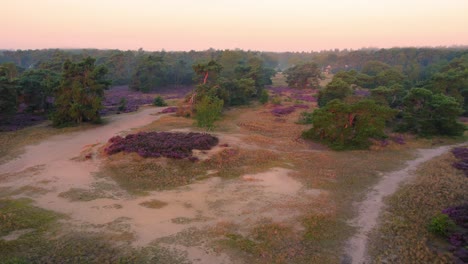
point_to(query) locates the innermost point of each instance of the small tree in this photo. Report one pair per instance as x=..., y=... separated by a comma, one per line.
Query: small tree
x=264, y=96
x=208, y=111
x=159, y=101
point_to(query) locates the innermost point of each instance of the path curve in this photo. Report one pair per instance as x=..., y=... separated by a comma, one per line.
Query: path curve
x=371, y=207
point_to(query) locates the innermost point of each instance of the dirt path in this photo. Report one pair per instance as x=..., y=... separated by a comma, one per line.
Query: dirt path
x=372, y=206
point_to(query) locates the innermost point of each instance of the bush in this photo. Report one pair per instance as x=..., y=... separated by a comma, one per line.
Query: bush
x=305, y=118
x=264, y=96
x=122, y=104
x=441, y=224
x=276, y=100
x=161, y=144
x=159, y=101
x=208, y=111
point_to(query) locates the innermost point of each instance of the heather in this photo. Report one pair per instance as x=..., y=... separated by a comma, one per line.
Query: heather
x=113, y=102
x=306, y=95
x=20, y=121
x=462, y=159
x=161, y=144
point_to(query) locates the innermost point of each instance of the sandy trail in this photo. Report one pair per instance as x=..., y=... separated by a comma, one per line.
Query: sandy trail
x=50, y=168
x=371, y=207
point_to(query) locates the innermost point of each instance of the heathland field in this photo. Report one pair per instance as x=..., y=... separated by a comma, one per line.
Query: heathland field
x=262, y=194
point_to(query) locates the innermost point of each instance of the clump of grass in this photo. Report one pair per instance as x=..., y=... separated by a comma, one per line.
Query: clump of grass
x=20, y=214
x=83, y=195
x=403, y=236
x=153, y=204
x=441, y=224
x=267, y=242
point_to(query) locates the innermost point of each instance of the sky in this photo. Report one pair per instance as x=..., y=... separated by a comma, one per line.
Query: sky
x=273, y=25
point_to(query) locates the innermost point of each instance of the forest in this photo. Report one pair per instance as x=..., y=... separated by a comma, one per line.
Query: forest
x=423, y=90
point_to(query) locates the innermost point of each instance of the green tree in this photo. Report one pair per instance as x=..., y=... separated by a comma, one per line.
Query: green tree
x=151, y=72
x=427, y=114
x=207, y=72
x=303, y=75
x=79, y=96
x=9, y=87
x=342, y=126
x=390, y=96
x=336, y=89
x=208, y=111
x=36, y=86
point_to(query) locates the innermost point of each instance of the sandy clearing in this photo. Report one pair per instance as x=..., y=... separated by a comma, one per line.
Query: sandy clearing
x=52, y=165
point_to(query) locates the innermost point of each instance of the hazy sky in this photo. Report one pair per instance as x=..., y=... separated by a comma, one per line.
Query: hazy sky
x=273, y=25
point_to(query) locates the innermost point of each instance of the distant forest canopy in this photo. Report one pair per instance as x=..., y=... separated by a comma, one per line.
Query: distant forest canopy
x=175, y=68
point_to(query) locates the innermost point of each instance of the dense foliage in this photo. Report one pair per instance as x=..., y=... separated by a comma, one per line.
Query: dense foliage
x=161, y=144
x=79, y=96
x=303, y=75
x=208, y=111
x=426, y=113
x=343, y=125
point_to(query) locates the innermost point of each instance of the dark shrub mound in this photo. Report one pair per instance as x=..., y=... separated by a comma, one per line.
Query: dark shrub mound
x=171, y=109
x=280, y=111
x=19, y=121
x=162, y=144
x=459, y=237
x=462, y=155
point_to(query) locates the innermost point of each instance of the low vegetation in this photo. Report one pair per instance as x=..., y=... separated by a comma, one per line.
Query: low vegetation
x=162, y=144
x=417, y=226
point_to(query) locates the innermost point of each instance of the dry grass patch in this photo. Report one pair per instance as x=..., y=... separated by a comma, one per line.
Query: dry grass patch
x=403, y=236
x=137, y=174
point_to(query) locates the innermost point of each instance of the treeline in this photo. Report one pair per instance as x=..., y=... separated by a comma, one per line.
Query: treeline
x=357, y=106
x=142, y=70
x=175, y=68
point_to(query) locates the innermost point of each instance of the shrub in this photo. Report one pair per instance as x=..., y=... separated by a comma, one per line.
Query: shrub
x=264, y=97
x=159, y=101
x=441, y=224
x=161, y=144
x=208, y=111
x=305, y=118
x=276, y=100
x=122, y=104
x=278, y=111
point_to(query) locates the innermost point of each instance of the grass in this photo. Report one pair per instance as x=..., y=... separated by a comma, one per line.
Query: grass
x=403, y=236
x=138, y=175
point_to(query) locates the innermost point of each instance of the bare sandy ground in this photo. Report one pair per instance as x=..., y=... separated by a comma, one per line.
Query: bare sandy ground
x=50, y=169
x=372, y=206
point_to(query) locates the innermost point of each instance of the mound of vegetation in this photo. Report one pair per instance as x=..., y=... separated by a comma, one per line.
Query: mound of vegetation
x=462, y=155
x=458, y=238
x=162, y=144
